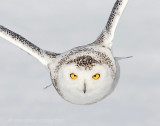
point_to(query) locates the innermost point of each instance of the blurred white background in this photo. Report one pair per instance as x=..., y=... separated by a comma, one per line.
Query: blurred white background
x=59, y=25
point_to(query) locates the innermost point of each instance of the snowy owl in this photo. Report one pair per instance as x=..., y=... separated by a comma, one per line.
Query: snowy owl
x=84, y=74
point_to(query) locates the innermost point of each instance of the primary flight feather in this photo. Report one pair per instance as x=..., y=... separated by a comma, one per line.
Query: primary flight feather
x=82, y=75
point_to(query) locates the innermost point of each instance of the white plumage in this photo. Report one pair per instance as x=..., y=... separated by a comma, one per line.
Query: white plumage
x=82, y=75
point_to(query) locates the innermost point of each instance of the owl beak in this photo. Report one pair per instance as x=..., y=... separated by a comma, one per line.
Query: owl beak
x=84, y=90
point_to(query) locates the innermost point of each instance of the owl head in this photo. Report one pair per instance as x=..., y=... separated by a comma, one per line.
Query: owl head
x=83, y=76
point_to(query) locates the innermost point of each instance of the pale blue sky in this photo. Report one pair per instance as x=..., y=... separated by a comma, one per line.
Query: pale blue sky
x=59, y=25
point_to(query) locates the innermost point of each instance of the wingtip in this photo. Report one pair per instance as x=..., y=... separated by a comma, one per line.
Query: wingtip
x=121, y=58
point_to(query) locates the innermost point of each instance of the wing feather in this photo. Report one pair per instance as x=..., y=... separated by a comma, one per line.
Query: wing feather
x=43, y=56
x=107, y=34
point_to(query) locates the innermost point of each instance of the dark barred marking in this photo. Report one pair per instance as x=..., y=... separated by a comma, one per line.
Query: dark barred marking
x=85, y=61
x=54, y=82
x=51, y=54
x=109, y=25
x=101, y=38
x=26, y=43
x=21, y=39
x=113, y=14
x=100, y=58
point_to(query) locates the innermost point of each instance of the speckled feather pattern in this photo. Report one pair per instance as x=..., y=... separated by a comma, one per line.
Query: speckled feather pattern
x=26, y=45
x=115, y=12
x=107, y=34
x=21, y=39
x=85, y=60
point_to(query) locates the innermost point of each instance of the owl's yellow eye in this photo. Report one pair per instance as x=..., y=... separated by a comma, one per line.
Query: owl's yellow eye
x=96, y=76
x=73, y=76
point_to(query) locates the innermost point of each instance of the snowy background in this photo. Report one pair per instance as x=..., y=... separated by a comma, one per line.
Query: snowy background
x=59, y=25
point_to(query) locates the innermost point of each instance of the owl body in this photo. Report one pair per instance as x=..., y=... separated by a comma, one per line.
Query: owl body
x=84, y=61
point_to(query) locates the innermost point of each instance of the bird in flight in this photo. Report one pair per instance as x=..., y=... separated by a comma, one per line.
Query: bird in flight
x=85, y=74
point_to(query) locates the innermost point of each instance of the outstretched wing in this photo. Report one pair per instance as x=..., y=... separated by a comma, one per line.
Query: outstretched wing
x=43, y=56
x=107, y=34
